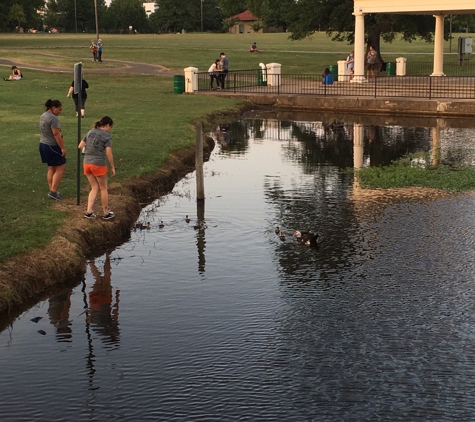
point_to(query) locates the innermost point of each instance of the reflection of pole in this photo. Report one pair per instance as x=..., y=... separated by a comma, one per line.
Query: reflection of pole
x=358, y=133
x=201, y=242
x=435, y=152
x=200, y=186
x=90, y=355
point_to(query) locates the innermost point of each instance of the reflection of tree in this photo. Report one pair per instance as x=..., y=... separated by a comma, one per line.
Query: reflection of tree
x=103, y=314
x=234, y=137
x=318, y=199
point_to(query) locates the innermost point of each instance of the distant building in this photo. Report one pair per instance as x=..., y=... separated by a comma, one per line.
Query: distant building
x=244, y=24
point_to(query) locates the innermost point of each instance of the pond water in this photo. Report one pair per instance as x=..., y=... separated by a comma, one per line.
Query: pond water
x=230, y=322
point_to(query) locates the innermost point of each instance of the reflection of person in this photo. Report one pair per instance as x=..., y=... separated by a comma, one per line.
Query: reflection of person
x=84, y=86
x=214, y=73
x=103, y=314
x=253, y=48
x=224, y=69
x=98, y=145
x=371, y=61
x=99, y=49
x=93, y=48
x=58, y=312
x=327, y=77
x=15, y=76
x=350, y=64
x=52, y=149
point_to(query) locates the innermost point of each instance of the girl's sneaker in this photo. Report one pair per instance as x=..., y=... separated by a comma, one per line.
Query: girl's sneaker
x=90, y=215
x=109, y=215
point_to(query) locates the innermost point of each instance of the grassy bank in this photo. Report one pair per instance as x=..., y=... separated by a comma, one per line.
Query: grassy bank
x=150, y=123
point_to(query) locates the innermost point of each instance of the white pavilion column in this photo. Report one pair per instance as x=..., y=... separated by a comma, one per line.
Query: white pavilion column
x=359, y=48
x=439, y=46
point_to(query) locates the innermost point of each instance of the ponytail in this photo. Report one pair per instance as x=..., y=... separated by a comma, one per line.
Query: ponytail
x=52, y=103
x=106, y=120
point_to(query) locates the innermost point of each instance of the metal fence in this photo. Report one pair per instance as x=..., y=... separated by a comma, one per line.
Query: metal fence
x=259, y=82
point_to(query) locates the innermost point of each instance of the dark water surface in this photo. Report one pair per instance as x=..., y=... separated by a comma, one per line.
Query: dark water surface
x=229, y=322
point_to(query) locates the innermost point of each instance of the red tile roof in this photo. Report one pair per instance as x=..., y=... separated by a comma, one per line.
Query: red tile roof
x=245, y=16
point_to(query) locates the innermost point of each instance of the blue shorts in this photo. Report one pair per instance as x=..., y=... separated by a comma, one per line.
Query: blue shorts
x=51, y=155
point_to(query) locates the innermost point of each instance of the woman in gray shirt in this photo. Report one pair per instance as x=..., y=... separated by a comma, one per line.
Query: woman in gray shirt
x=97, y=145
x=52, y=150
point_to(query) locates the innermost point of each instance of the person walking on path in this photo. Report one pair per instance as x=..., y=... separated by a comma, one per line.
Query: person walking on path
x=97, y=146
x=371, y=61
x=52, y=150
x=214, y=73
x=82, y=106
x=99, y=49
x=224, y=69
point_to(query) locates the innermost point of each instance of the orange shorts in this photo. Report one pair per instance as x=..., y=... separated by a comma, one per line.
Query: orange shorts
x=95, y=170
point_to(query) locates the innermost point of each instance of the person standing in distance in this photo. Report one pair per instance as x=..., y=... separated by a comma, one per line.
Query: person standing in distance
x=98, y=146
x=52, y=150
x=99, y=49
x=224, y=69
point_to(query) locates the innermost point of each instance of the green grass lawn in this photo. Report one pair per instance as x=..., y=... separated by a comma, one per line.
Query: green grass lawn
x=150, y=121
x=176, y=52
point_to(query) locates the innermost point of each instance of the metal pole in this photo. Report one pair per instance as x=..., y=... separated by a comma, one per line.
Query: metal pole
x=450, y=35
x=77, y=90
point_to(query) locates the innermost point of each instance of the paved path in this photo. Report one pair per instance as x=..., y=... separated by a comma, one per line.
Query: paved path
x=126, y=67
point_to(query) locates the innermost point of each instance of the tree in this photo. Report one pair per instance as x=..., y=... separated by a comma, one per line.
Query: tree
x=17, y=15
x=303, y=17
x=230, y=8
x=173, y=16
x=30, y=9
x=129, y=12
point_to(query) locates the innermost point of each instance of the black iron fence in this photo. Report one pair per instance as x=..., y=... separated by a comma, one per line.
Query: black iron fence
x=260, y=82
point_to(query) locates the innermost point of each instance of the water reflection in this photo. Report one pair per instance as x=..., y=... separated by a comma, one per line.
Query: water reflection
x=103, y=313
x=228, y=315
x=58, y=311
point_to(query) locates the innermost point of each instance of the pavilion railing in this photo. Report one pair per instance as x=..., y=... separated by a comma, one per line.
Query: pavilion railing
x=259, y=82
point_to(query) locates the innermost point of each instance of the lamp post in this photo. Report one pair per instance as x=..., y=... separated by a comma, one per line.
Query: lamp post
x=202, y=15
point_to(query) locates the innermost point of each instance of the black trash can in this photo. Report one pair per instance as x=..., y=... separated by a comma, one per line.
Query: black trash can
x=333, y=68
x=178, y=84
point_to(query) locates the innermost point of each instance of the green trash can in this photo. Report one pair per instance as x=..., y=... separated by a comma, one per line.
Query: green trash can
x=178, y=84
x=333, y=68
x=260, y=79
x=391, y=69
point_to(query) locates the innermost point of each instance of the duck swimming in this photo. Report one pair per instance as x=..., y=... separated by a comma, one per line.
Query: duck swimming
x=277, y=230
x=141, y=226
x=307, y=238
x=187, y=219
x=281, y=235
x=161, y=225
